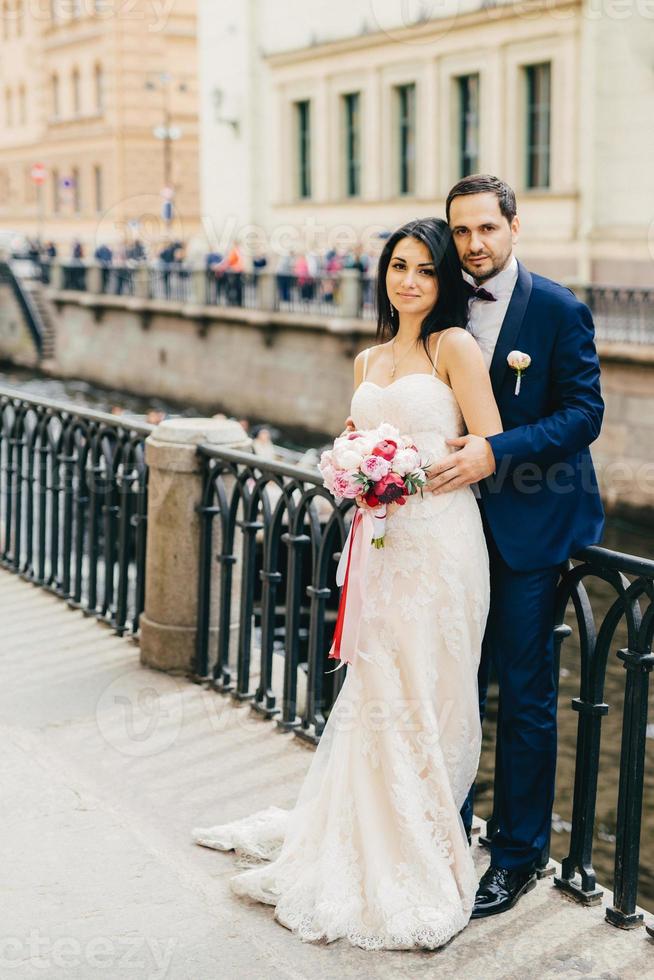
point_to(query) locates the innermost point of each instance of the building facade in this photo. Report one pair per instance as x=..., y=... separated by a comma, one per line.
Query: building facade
x=104, y=96
x=328, y=122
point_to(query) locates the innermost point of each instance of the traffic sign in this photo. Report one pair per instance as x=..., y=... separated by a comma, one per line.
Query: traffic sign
x=38, y=173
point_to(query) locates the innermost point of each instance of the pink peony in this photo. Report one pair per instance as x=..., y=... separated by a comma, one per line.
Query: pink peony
x=375, y=467
x=343, y=485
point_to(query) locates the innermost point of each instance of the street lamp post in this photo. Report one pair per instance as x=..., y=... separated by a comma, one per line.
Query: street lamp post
x=168, y=134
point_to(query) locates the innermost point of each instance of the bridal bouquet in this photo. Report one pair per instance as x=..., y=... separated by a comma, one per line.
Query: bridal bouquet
x=376, y=467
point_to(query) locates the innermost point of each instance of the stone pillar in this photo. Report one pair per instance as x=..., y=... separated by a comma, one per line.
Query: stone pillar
x=94, y=279
x=199, y=286
x=168, y=624
x=350, y=293
x=141, y=276
x=56, y=274
x=266, y=290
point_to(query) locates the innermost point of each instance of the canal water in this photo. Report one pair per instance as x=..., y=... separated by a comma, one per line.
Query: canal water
x=620, y=536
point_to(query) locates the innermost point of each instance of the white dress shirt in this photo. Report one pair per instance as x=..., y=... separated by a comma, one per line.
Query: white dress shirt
x=485, y=318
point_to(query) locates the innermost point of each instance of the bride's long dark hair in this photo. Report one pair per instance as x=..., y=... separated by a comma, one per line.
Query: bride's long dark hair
x=451, y=307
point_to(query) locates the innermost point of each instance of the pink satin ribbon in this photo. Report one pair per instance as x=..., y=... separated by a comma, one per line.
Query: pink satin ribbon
x=351, y=574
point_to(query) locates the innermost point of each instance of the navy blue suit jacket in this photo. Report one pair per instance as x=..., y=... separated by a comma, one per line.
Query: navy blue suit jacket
x=543, y=503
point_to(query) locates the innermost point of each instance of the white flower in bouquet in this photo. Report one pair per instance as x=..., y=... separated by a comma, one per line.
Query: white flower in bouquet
x=387, y=431
x=346, y=455
x=405, y=461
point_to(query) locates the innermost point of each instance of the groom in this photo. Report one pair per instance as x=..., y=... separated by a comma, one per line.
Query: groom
x=539, y=502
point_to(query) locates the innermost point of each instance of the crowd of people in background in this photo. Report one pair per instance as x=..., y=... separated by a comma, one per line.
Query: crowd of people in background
x=301, y=277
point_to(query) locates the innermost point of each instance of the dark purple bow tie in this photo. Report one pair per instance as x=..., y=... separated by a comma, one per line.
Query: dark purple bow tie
x=478, y=292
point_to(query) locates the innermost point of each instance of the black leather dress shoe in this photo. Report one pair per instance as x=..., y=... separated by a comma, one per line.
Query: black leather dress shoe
x=499, y=890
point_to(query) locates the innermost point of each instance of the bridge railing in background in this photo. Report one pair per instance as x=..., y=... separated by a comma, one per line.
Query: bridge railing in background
x=341, y=294
x=232, y=289
x=73, y=504
x=621, y=315
x=273, y=577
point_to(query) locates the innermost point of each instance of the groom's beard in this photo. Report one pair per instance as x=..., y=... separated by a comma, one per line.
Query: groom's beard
x=496, y=267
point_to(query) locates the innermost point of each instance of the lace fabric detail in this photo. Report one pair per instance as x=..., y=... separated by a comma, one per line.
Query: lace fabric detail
x=374, y=850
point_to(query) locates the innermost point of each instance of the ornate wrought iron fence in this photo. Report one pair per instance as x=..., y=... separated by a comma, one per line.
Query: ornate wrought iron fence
x=631, y=608
x=280, y=538
x=73, y=504
x=274, y=599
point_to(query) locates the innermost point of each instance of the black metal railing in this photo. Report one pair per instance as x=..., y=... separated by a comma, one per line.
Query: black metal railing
x=117, y=280
x=73, y=275
x=73, y=504
x=630, y=604
x=621, y=314
x=307, y=294
x=226, y=288
x=171, y=281
x=271, y=603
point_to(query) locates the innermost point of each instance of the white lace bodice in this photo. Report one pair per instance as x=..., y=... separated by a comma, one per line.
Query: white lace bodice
x=419, y=405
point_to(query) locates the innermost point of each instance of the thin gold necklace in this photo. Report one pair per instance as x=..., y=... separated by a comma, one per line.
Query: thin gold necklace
x=395, y=364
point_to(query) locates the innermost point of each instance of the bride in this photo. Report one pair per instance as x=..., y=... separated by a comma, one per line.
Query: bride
x=374, y=850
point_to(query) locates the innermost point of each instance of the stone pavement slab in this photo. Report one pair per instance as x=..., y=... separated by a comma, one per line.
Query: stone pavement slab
x=106, y=766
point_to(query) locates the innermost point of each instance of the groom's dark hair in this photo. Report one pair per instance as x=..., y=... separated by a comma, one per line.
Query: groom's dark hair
x=485, y=184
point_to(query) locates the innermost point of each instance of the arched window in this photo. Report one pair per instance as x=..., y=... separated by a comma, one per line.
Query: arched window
x=77, y=93
x=98, y=84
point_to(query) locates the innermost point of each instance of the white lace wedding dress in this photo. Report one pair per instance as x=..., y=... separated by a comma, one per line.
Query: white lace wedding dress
x=374, y=849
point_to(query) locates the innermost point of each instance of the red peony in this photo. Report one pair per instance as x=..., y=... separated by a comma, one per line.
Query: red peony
x=390, y=489
x=386, y=448
x=371, y=498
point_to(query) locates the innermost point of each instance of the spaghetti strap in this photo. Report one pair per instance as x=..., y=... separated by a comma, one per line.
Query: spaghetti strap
x=438, y=344
x=365, y=362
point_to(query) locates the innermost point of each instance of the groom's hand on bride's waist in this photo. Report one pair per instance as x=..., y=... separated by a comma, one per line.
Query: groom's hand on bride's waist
x=473, y=461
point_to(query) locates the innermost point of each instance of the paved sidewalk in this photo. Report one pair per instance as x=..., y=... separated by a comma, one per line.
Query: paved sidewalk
x=105, y=768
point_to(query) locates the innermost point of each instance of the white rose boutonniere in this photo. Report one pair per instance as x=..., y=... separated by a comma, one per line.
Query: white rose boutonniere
x=519, y=362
